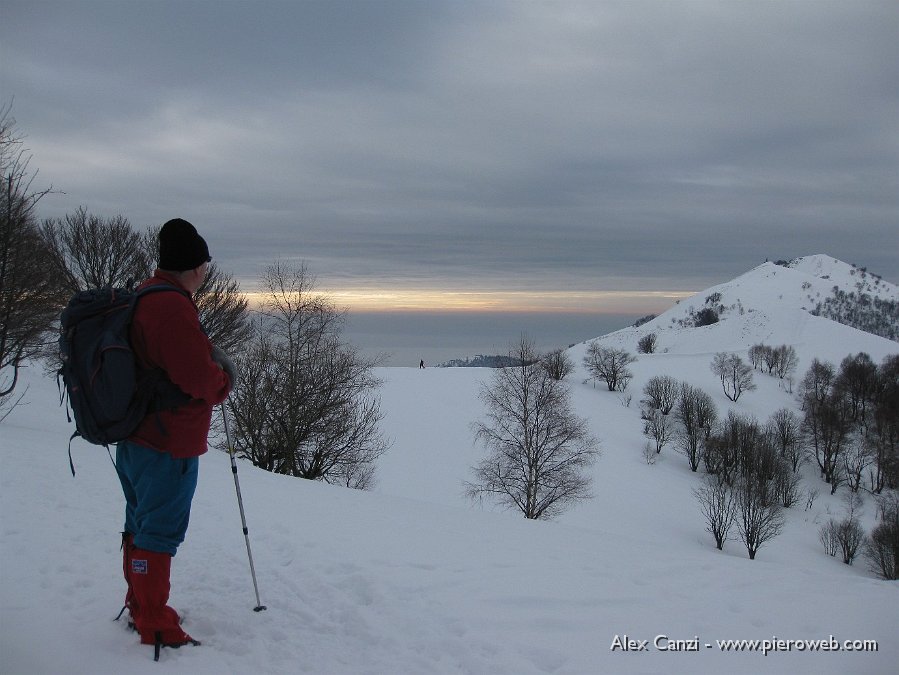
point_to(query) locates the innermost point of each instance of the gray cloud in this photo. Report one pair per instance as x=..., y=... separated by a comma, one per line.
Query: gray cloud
x=590, y=145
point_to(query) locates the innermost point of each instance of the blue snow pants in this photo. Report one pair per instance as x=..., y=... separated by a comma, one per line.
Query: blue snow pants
x=158, y=492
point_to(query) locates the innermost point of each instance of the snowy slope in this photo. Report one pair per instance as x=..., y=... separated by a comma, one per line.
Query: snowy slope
x=411, y=578
x=770, y=304
x=842, y=274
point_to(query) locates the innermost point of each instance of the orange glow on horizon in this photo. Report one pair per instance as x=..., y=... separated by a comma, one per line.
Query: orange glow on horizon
x=440, y=300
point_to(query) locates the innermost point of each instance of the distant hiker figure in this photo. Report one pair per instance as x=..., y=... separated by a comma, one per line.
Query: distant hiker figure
x=422, y=364
x=158, y=463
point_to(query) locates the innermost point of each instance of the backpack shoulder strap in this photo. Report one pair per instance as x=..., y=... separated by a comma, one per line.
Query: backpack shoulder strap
x=153, y=288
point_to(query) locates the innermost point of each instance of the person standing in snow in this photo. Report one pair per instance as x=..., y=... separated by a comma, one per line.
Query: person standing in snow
x=158, y=464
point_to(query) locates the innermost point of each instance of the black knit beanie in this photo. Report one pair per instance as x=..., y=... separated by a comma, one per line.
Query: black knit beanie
x=181, y=248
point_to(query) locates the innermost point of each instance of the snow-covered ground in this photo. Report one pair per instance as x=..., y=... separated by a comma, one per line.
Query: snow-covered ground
x=412, y=578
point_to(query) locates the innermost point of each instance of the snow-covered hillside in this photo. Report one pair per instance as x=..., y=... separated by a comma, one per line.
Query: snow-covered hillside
x=770, y=304
x=412, y=578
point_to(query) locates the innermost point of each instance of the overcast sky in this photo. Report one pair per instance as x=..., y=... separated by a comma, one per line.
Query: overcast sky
x=539, y=147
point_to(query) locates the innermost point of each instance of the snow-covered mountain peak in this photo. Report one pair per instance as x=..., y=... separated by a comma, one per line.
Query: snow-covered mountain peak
x=828, y=267
x=813, y=300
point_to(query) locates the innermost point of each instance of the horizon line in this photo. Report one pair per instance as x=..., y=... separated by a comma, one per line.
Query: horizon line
x=457, y=301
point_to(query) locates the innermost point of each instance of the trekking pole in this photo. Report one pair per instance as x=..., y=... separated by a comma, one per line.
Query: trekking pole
x=246, y=533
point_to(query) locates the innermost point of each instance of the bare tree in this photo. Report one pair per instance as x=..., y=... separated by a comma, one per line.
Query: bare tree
x=786, y=485
x=719, y=506
x=817, y=382
x=845, y=536
x=852, y=538
x=770, y=358
x=658, y=427
x=785, y=429
x=696, y=415
x=757, y=355
x=609, y=364
x=304, y=405
x=827, y=423
x=815, y=395
x=647, y=343
x=856, y=383
x=661, y=393
x=759, y=515
x=883, y=431
x=882, y=547
x=856, y=457
x=786, y=361
x=538, y=448
x=731, y=449
x=828, y=536
x=30, y=298
x=90, y=251
x=735, y=376
x=223, y=310
x=558, y=364
x=751, y=466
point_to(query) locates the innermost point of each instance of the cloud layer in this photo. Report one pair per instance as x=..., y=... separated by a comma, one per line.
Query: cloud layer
x=540, y=146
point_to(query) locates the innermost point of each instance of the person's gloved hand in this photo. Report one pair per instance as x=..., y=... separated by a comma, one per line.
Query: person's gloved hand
x=225, y=363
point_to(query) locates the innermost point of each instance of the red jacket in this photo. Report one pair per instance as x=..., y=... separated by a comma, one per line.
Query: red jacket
x=166, y=333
